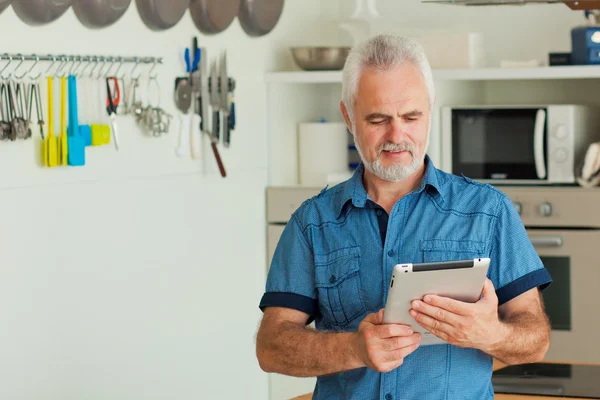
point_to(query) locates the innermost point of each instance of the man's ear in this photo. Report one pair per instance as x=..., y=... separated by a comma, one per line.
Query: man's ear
x=346, y=117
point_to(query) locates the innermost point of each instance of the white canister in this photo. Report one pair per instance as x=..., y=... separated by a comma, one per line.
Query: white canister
x=322, y=152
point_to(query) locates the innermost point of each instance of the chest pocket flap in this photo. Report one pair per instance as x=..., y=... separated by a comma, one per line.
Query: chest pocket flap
x=435, y=250
x=337, y=278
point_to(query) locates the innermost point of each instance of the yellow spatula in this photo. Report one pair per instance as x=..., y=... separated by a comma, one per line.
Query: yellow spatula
x=64, y=147
x=50, y=144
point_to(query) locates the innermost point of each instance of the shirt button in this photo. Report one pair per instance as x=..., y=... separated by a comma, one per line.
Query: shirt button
x=332, y=279
x=388, y=396
x=391, y=253
x=378, y=212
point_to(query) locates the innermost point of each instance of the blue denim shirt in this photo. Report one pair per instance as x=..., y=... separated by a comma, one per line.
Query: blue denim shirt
x=336, y=255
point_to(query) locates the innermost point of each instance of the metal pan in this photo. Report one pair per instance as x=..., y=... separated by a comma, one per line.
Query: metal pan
x=159, y=15
x=259, y=17
x=99, y=13
x=40, y=12
x=4, y=4
x=214, y=16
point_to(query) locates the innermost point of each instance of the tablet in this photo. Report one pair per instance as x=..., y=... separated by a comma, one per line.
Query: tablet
x=460, y=280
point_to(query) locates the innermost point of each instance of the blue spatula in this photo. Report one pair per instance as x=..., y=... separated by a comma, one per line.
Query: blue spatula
x=76, y=141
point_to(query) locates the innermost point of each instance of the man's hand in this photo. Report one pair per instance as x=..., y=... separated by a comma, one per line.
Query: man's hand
x=462, y=324
x=383, y=347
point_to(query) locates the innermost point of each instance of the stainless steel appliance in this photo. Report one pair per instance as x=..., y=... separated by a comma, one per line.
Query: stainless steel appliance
x=564, y=226
x=535, y=144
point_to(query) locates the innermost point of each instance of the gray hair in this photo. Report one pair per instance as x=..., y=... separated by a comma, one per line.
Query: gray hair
x=383, y=52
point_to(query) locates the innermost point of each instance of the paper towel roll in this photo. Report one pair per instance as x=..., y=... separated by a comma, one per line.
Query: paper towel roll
x=322, y=150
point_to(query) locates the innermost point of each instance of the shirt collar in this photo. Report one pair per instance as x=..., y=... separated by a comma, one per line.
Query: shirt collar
x=354, y=189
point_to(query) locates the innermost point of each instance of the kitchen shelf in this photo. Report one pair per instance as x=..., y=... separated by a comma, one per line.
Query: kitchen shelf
x=467, y=74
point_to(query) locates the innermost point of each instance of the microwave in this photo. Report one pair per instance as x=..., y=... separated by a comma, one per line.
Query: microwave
x=529, y=144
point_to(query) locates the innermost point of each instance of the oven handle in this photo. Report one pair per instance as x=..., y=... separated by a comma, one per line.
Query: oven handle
x=546, y=241
x=538, y=144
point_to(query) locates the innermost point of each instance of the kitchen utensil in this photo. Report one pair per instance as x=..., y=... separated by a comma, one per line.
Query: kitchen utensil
x=160, y=14
x=224, y=92
x=63, y=145
x=85, y=130
x=50, y=144
x=99, y=13
x=215, y=102
x=4, y=4
x=35, y=95
x=76, y=143
x=259, y=17
x=320, y=58
x=40, y=12
x=213, y=16
x=112, y=100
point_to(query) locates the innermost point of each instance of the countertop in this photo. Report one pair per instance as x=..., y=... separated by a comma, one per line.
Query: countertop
x=497, y=365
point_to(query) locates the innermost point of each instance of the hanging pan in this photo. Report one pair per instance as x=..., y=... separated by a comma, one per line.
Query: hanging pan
x=4, y=4
x=159, y=15
x=213, y=16
x=99, y=13
x=40, y=12
x=259, y=17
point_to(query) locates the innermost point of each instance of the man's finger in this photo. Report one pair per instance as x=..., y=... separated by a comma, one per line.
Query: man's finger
x=432, y=324
x=437, y=313
x=375, y=318
x=394, y=330
x=393, y=344
x=489, y=292
x=448, y=304
x=400, y=353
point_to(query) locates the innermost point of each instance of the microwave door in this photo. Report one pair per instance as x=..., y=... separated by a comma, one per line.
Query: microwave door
x=538, y=145
x=501, y=145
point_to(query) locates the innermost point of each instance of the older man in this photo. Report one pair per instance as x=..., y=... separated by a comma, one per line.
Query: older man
x=335, y=257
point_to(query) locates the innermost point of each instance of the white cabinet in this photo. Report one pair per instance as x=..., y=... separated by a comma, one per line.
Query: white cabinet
x=281, y=203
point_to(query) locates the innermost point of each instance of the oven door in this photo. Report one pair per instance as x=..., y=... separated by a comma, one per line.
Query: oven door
x=499, y=144
x=572, y=300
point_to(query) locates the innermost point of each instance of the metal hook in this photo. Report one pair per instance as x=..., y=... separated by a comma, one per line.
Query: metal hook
x=137, y=63
x=95, y=64
x=76, y=63
x=35, y=78
x=64, y=63
x=20, y=77
x=50, y=67
x=101, y=62
x=11, y=74
x=6, y=66
x=112, y=62
x=152, y=69
x=116, y=74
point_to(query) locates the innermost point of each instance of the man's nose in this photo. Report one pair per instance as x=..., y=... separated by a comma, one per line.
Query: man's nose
x=396, y=133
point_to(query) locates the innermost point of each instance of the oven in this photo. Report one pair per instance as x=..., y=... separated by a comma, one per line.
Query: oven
x=563, y=224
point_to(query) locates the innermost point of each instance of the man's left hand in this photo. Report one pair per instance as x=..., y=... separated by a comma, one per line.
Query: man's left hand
x=474, y=325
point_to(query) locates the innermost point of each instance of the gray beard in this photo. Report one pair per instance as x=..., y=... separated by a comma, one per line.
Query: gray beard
x=396, y=172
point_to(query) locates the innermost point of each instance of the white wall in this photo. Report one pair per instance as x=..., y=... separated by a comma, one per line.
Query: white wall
x=510, y=32
x=139, y=275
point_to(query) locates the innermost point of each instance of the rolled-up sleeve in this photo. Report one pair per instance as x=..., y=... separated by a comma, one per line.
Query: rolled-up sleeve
x=515, y=267
x=290, y=282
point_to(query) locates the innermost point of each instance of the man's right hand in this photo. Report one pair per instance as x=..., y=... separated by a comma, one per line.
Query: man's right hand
x=383, y=347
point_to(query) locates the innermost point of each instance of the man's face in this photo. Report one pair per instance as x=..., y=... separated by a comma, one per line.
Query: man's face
x=391, y=121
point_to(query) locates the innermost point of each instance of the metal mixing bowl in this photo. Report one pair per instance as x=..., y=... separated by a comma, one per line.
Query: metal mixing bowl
x=320, y=58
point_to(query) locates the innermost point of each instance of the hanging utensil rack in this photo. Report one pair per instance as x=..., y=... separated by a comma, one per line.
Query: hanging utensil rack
x=80, y=58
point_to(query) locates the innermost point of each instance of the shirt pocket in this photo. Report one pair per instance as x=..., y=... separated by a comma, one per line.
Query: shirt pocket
x=436, y=250
x=337, y=278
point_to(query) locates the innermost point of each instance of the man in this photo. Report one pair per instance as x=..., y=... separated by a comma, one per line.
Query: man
x=335, y=257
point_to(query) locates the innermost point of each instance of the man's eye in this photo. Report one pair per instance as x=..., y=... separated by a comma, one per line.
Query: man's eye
x=377, y=121
x=412, y=118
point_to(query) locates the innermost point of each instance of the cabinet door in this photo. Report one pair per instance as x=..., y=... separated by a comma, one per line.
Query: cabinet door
x=285, y=387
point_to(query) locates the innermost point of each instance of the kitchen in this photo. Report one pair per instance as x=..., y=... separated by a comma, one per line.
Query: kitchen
x=132, y=247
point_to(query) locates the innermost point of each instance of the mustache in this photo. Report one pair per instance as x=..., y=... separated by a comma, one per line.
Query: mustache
x=402, y=146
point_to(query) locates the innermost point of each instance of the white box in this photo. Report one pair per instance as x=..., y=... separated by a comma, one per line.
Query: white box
x=447, y=50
